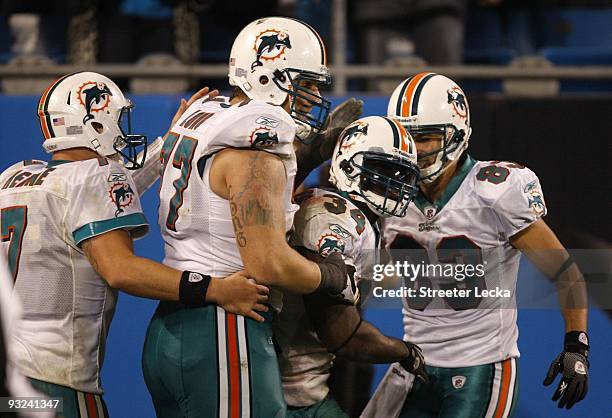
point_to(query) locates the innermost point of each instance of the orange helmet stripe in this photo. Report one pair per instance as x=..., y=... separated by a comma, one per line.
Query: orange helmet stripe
x=42, y=108
x=409, y=94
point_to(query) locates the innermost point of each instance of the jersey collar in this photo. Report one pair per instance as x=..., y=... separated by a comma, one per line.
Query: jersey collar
x=55, y=163
x=422, y=202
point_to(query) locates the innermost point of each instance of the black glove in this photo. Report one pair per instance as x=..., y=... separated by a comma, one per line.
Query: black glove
x=415, y=363
x=573, y=364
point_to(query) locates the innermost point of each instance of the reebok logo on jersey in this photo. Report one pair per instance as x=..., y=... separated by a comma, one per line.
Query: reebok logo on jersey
x=113, y=177
x=458, y=381
x=266, y=121
x=337, y=229
x=583, y=338
x=530, y=186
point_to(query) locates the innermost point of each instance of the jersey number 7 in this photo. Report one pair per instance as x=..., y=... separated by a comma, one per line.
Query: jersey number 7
x=13, y=223
x=183, y=157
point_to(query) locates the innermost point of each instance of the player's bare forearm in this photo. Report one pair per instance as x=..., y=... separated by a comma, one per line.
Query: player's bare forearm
x=111, y=255
x=343, y=332
x=146, y=177
x=540, y=244
x=254, y=185
x=372, y=346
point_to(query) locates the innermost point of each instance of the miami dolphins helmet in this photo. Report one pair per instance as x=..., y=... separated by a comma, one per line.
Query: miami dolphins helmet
x=375, y=162
x=432, y=105
x=273, y=57
x=88, y=110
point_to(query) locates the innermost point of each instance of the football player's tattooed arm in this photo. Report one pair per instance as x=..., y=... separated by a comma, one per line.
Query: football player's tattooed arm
x=149, y=173
x=112, y=256
x=254, y=183
x=540, y=244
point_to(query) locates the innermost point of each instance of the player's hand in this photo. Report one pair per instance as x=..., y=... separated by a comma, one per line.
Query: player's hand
x=322, y=146
x=240, y=295
x=415, y=362
x=342, y=116
x=572, y=363
x=186, y=103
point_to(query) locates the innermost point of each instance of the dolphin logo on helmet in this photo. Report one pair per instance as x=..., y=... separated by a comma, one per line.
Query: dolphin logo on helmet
x=456, y=97
x=270, y=47
x=94, y=95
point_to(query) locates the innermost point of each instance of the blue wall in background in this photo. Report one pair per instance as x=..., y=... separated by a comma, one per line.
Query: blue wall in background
x=541, y=331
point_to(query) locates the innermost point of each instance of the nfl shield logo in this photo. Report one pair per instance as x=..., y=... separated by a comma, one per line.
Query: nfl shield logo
x=430, y=212
x=458, y=381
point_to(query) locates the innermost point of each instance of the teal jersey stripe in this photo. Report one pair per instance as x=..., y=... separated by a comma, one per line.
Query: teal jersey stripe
x=131, y=221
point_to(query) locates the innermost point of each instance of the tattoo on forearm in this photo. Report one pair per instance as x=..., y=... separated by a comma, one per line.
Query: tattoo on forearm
x=251, y=205
x=87, y=250
x=240, y=238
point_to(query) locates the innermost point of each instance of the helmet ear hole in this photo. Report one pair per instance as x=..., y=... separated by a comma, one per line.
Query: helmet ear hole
x=346, y=166
x=263, y=80
x=98, y=127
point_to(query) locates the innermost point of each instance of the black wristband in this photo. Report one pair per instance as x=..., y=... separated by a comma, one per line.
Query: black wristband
x=193, y=288
x=333, y=277
x=576, y=342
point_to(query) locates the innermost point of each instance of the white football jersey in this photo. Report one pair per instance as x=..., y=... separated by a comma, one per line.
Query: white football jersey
x=196, y=223
x=48, y=210
x=485, y=204
x=326, y=222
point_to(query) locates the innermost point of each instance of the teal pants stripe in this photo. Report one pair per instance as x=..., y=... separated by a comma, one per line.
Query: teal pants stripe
x=205, y=362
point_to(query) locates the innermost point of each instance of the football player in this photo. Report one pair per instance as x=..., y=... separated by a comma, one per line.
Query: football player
x=67, y=229
x=374, y=170
x=226, y=205
x=483, y=214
